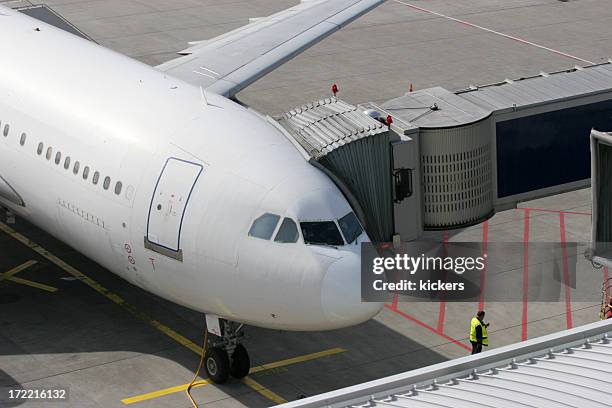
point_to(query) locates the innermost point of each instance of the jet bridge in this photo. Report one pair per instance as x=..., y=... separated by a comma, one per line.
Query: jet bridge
x=451, y=159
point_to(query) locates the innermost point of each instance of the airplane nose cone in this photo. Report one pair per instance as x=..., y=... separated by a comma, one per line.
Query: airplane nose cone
x=341, y=294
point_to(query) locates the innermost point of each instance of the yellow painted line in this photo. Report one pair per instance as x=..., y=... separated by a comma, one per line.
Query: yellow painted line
x=9, y=276
x=263, y=390
x=17, y=269
x=100, y=289
x=36, y=285
x=257, y=369
x=299, y=359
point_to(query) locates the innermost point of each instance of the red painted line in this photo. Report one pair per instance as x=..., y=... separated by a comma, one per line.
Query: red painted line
x=511, y=37
x=394, y=304
x=556, y=211
x=442, y=310
x=566, y=278
x=483, y=272
x=525, y=275
x=606, y=277
x=428, y=327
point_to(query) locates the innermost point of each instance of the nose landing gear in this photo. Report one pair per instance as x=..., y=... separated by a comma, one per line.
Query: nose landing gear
x=225, y=355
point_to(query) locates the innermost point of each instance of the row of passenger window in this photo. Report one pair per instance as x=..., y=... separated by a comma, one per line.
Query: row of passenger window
x=76, y=166
x=314, y=232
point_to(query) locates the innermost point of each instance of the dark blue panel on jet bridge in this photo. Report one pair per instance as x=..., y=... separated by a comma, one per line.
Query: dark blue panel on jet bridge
x=547, y=149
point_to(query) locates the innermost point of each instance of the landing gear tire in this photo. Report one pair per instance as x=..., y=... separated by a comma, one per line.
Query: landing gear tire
x=217, y=365
x=241, y=363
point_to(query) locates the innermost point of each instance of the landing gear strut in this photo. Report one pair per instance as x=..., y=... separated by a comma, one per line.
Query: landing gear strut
x=225, y=354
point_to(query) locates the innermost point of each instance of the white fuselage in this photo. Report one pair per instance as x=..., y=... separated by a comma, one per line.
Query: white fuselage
x=194, y=173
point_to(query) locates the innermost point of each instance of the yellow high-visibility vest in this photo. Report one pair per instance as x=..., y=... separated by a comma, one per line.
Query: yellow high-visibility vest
x=476, y=323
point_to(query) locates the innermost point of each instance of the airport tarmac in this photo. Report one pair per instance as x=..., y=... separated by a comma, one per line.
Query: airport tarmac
x=67, y=322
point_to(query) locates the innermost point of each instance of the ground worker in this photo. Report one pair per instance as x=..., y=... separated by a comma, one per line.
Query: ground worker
x=478, y=332
x=608, y=310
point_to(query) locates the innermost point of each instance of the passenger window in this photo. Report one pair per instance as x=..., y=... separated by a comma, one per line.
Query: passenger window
x=22, y=140
x=321, y=233
x=106, y=184
x=58, y=157
x=85, y=172
x=96, y=177
x=288, y=232
x=118, y=187
x=77, y=165
x=350, y=227
x=6, y=130
x=40, y=148
x=67, y=162
x=264, y=226
x=49, y=153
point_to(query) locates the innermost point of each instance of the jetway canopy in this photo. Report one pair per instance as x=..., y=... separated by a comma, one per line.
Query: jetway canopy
x=355, y=150
x=568, y=368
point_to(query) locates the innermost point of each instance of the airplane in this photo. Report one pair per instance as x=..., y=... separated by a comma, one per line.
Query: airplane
x=162, y=177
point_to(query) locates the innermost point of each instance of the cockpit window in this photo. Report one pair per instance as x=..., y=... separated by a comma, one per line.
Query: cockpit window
x=288, y=232
x=349, y=224
x=264, y=226
x=321, y=233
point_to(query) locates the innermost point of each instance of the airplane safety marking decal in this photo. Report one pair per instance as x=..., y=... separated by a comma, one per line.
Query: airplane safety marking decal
x=254, y=370
x=10, y=276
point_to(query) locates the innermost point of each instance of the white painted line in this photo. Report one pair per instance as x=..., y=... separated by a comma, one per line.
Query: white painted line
x=495, y=32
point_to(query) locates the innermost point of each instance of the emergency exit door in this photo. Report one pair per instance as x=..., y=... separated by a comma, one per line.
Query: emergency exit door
x=169, y=205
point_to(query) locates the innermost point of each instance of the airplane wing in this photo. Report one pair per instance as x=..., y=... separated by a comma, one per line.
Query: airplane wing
x=232, y=61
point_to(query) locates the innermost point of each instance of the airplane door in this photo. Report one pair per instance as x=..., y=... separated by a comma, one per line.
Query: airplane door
x=168, y=206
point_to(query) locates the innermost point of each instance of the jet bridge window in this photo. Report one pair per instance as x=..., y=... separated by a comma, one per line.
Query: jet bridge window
x=350, y=227
x=321, y=233
x=264, y=226
x=288, y=232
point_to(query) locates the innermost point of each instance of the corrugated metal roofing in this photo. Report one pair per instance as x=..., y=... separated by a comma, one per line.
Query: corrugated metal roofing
x=323, y=126
x=566, y=369
x=544, y=88
x=434, y=108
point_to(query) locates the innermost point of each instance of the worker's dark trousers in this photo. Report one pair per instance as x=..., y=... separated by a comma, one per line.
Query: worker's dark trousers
x=476, y=348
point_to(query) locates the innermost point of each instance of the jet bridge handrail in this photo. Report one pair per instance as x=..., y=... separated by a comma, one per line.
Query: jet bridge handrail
x=362, y=393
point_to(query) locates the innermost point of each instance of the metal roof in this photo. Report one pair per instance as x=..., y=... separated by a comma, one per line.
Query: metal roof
x=323, y=126
x=543, y=88
x=566, y=369
x=435, y=108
